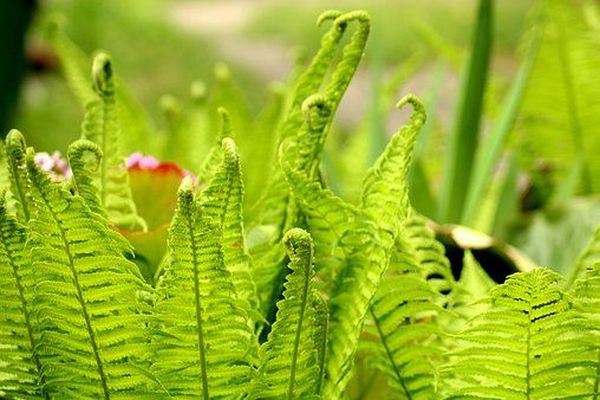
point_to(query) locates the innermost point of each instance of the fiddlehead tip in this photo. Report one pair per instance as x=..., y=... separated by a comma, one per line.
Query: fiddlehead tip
x=414, y=101
x=226, y=129
x=15, y=140
x=298, y=244
x=316, y=109
x=102, y=73
x=357, y=15
x=80, y=147
x=327, y=16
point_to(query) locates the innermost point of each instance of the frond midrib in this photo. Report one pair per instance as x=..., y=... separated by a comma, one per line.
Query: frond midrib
x=299, y=329
x=201, y=346
x=86, y=316
x=26, y=314
x=389, y=354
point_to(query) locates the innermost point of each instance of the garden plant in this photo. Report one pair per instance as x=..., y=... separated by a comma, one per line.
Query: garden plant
x=126, y=277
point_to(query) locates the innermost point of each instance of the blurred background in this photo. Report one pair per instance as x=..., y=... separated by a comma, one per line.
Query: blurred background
x=540, y=193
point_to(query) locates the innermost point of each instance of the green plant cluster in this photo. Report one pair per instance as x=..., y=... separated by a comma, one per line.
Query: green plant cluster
x=294, y=307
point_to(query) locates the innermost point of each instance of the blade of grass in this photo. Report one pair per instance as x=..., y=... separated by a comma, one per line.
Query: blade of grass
x=489, y=151
x=464, y=136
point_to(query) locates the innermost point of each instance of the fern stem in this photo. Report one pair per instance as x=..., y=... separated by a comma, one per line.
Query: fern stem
x=26, y=315
x=389, y=355
x=201, y=348
x=86, y=316
x=307, y=277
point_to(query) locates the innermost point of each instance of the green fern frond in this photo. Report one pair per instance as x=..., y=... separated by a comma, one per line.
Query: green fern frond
x=222, y=203
x=587, y=294
x=531, y=344
x=19, y=185
x=369, y=245
x=429, y=254
x=215, y=155
x=102, y=126
x=203, y=344
x=20, y=369
x=275, y=200
x=588, y=257
x=403, y=316
x=86, y=301
x=290, y=367
x=85, y=158
x=385, y=187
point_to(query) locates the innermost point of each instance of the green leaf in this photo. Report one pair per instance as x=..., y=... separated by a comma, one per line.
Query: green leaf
x=205, y=345
x=86, y=302
x=531, y=344
x=290, y=367
x=489, y=151
x=19, y=185
x=20, y=369
x=465, y=132
x=102, y=127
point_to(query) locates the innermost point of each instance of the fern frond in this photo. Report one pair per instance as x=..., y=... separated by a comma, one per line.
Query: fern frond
x=385, y=187
x=19, y=185
x=587, y=294
x=84, y=158
x=369, y=245
x=222, y=203
x=102, y=127
x=531, y=344
x=588, y=257
x=204, y=344
x=20, y=369
x=92, y=341
x=290, y=367
x=403, y=315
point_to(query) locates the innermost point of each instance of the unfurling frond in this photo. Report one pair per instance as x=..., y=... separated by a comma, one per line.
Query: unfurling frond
x=20, y=371
x=529, y=345
x=290, y=358
x=86, y=301
x=385, y=189
x=84, y=158
x=102, y=126
x=204, y=345
x=369, y=245
x=19, y=186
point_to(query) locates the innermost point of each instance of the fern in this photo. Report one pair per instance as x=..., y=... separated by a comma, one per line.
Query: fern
x=527, y=346
x=369, y=249
x=20, y=370
x=587, y=291
x=19, y=186
x=101, y=126
x=84, y=158
x=86, y=299
x=290, y=367
x=222, y=200
x=203, y=344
